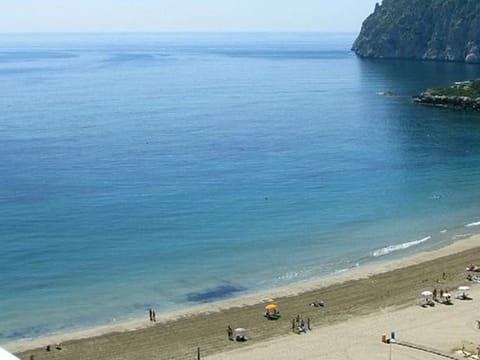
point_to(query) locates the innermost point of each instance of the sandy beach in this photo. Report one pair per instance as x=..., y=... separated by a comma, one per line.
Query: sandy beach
x=360, y=306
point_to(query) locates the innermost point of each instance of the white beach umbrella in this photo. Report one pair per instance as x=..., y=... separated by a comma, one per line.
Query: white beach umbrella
x=240, y=330
x=426, y=293
x=464, y=288
x=5, y=355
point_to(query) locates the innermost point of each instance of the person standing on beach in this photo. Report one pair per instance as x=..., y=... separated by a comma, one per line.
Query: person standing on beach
x=230, y=333
x=434, y=294
x=153, y=316
x=150, y=313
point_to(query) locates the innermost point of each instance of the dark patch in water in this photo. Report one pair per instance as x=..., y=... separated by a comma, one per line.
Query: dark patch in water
x=27, y=332
x=283, y=55
x=216, y=293
x=33, y=55
x=135, y=57
x=16, y=71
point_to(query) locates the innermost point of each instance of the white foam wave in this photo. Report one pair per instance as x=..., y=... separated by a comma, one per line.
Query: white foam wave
x=294, y=274
x=461, y=236
x=288, y=276
x=339, y=271
x=392, y=248
x=473, y=224
x=443, y=231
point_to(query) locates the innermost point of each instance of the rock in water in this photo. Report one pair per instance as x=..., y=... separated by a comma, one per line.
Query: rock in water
x=441, y=30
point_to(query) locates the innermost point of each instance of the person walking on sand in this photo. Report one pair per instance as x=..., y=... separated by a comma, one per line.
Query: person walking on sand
x=153, y=316
x=230, y=333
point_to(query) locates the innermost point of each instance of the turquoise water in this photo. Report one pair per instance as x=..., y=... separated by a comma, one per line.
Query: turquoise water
x=163, y=170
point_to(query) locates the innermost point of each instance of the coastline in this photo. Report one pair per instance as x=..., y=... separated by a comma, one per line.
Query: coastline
x=121, y=248
x=202, y=319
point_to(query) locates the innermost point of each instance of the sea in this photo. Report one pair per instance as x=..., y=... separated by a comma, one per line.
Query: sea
x=164, y=170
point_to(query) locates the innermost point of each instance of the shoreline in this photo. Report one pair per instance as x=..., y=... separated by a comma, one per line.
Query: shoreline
x=254, y=300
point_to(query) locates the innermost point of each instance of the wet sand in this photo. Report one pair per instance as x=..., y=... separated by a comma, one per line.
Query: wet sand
x=357, y=296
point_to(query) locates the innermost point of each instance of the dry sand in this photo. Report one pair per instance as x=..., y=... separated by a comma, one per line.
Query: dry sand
x=442, y=327
x=361, y=305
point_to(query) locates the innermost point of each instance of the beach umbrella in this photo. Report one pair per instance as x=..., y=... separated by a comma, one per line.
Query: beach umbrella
x=464, y=288
x=426, y=293
x=447, y=295
x=240, y=331
x=271, y=307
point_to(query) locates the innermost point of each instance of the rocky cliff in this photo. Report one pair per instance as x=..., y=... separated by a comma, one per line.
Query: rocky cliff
x=441, y=30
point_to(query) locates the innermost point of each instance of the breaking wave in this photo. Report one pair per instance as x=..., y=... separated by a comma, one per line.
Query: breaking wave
x=477, y=223
x=392, y=248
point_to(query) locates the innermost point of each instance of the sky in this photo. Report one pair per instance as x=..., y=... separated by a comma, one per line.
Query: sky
x=183, y=15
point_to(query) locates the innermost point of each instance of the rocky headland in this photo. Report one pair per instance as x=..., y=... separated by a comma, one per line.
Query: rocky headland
x=440, y=30
x=463, y=95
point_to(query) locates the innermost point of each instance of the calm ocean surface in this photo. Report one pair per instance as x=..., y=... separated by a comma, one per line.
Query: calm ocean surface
x=164, y=170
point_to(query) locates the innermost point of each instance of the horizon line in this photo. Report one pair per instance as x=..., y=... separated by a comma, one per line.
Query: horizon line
x=181, y=32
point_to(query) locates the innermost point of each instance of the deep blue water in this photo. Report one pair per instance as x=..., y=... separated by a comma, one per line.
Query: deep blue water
x=162, y=170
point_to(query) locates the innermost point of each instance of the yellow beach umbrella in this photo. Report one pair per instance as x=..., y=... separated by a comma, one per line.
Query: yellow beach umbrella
x=271, y=307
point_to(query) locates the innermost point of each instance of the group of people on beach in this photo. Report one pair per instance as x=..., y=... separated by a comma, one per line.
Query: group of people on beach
x=152, y=315
x=298, y=325
x=48, y=348
x=272, y=314
x=440, y=295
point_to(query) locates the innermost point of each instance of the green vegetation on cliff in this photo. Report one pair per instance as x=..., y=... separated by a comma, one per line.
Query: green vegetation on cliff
x=468, y=88
x=442, y=30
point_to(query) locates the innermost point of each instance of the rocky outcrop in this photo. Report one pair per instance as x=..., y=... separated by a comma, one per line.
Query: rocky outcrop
x=463, y=95
x=441, y=30
x=455, y=102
